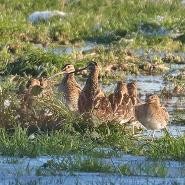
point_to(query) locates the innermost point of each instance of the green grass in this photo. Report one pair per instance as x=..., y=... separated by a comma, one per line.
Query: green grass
x=89, y=21
x=106, y=22
x=178, y=117
x=156, y=169
x=36, y=62
x=74, y=165
x=65, y=142
x=81, y=164
x=19, y=144
x=60, y=142
x=167, y=148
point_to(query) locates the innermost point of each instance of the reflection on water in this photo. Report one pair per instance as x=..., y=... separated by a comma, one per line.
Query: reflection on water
x=148, y=84
x=90, y=46
x=174, y=103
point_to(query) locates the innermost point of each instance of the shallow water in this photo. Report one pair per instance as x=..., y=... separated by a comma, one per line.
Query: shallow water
x=146, y=84
x=143, y=171
x=86, y=47
x=151, y=54
x=173, y=130
x=149, y=30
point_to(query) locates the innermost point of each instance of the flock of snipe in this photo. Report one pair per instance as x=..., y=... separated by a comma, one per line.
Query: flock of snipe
x=123, y=105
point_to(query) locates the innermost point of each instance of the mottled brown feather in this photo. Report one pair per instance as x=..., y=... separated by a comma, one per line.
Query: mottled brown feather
x=71, y=91
x=132, y=92
x=151, y=114
x=91, y=91
x=121, y=103
x=69, y=88
x=92, y=99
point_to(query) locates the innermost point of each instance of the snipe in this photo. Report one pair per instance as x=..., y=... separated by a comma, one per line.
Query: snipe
x=132, y=92
x=120, y=94
x=122, y=106
x=151, y=114
x=92, y=99
x=34, y=88
x=69, y=87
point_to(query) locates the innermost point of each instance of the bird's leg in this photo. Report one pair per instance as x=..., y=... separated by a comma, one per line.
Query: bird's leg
x=166, y=128
x=133, y=131
x=166, y=131
x=149, y=134
x=153, y=134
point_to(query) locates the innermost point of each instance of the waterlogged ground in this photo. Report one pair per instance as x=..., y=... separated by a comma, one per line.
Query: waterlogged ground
x=69, y=49
x=137, y=170
x=125, y=169
x=40, y=43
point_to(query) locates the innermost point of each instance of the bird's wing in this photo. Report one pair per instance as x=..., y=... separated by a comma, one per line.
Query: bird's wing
x=102, y=108
x=140, y=112
x=99, y=93
x=82, y=102
x=111, y=98
x=77, y=86
x=165, y=114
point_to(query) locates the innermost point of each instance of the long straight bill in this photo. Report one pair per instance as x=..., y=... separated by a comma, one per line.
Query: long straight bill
x=62, y=72
x=76, y=71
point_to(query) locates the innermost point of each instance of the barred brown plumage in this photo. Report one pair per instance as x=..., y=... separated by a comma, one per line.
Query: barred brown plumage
x=70, y=88
x=92, y=99
x=122, y=106
x=132, y=92
x=151, y=114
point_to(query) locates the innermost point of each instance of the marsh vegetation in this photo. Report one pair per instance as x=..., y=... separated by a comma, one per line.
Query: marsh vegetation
x=130, y=40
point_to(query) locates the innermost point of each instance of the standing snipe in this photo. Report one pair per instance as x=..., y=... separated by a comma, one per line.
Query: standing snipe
x=122, y=106
x=151, y=114
x=120, y=93
x=69, y=87
x=132, y=92
x=92, y=99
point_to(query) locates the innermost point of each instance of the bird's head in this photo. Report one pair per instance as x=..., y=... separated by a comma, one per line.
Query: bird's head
x=68, y=68
x=132, y=87
x=33, y=82
x=92, y=66
x=121, y=86
x=152, y=98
